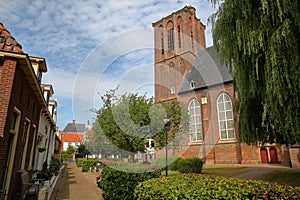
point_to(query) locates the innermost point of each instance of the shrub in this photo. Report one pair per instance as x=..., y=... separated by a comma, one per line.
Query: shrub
x=118, y=183
x=189, y=165
x=196, y=186
x=79, y=161
x=88, y=164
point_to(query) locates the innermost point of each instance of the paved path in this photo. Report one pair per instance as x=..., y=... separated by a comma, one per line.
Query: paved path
x=77, y=185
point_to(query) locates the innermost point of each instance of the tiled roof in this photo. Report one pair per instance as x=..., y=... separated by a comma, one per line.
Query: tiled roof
x=206, y=71
x=72, y=137
x=8, y=42
x=74, y=127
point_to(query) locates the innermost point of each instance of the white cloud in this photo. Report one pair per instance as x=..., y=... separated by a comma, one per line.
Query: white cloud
x=66, y=32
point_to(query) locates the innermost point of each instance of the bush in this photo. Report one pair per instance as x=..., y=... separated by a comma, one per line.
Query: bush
x=88, y=164
x=196, y=186
x=79, y=161
x=118, y=183
x=189, y=165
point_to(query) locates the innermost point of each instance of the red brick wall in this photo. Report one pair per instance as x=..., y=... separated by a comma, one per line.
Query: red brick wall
x=16, y=92
x=295, y=157
x=7, y=76
x=228, y=153
x=250, y=154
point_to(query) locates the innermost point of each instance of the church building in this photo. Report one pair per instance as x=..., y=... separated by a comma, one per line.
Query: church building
x=187, y=71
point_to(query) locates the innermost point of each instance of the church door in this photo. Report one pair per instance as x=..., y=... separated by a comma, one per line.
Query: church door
x=273, y=156
x=264, y=156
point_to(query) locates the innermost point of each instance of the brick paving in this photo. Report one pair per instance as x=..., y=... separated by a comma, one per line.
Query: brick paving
x=77, y=185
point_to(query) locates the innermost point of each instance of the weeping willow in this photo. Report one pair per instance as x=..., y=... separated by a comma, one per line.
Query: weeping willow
x=259, y=40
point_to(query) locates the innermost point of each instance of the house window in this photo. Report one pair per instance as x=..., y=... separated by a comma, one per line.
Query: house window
x=24, y=147
x=195, y=125
x=225, y=117
x=171, y=39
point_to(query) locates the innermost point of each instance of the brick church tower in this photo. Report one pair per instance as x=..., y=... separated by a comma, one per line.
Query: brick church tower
x=177, y=41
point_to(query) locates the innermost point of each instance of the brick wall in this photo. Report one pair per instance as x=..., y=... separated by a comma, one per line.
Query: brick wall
x=295, y=156
x=16, y=91
x=250, y=154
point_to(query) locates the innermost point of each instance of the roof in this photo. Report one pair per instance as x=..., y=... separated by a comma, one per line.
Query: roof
x=74, y=127
x=72, y=137
x=8, y=42
x=206, y=71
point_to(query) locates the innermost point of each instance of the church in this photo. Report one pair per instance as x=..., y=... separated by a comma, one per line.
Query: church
x=188, y=71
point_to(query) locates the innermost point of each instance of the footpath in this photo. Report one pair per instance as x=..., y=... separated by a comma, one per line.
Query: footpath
x=76, y=185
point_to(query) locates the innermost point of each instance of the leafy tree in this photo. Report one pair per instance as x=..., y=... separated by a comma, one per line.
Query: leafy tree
x=129, y=119
x=68, y=154
x=259, y=41
x=82, y=150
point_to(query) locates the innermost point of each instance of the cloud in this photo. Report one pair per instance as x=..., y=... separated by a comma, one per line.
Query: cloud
x=66, y=33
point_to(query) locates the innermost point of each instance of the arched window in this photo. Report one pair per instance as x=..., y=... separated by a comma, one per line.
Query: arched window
x=170, y=34
x=225, y=117
x=162, y=39
x=179, y=36
x=195, y=125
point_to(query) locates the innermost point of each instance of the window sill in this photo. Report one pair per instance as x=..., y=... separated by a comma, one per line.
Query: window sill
x=227, y=141
x=195, y=143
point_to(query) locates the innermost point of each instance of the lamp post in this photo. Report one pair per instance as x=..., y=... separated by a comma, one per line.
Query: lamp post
x=167, y=124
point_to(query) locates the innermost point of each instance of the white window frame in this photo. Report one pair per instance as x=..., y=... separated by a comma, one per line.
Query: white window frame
x=226, y=113
x=195, y=121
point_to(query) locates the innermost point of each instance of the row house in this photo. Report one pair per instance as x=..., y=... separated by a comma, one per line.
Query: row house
x=22, y=105
x=73, y=135
x=47, y=130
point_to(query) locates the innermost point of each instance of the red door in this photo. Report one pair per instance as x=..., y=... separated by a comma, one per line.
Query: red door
x=264, y=156
x=273, y=156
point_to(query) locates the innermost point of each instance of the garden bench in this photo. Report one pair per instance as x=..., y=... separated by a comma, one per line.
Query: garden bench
x=30, y=187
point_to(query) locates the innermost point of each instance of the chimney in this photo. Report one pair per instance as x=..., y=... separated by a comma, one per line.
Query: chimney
x=74, y=121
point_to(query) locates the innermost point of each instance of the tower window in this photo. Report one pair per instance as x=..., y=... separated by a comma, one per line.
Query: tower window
x=179, y=38
x=162, y=43
x=171, y=39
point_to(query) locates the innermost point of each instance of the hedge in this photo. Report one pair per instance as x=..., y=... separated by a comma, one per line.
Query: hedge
x=86, y=164
x=118, y=183
x=196, y=186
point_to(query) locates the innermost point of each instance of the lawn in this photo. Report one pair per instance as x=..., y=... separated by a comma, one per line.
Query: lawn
x=224, y=171
x=283, y=177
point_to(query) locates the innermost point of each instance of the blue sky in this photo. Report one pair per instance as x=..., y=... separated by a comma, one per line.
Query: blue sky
x=92, y=46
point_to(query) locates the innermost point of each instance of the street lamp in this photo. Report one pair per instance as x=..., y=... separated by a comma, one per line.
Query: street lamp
x=167, y=125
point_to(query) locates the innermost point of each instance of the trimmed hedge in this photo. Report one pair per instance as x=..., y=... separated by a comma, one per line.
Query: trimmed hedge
x=196, y=186
x=86, y=164
x=118, y=183
x=189, y=165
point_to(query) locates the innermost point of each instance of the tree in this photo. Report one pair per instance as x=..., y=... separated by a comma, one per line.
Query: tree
x=129, y=119
x=259, y=41
x=82, y=150
x=68, y=154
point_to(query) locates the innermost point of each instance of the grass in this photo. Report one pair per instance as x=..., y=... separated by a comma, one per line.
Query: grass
x=224, y=171
x=283, y=177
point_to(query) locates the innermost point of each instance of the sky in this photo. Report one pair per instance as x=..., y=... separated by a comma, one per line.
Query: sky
x=92, y=46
